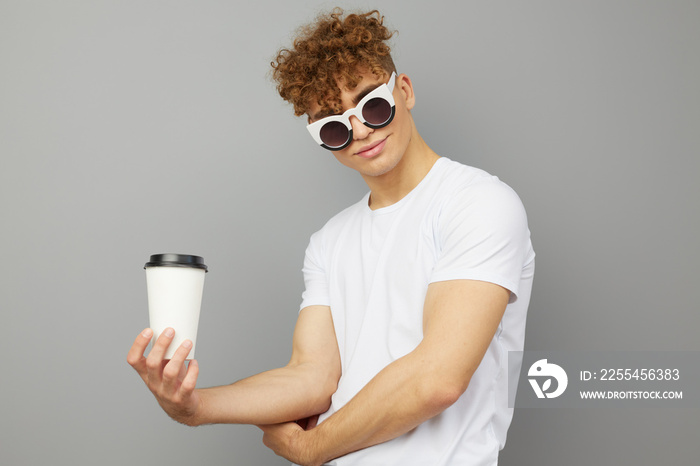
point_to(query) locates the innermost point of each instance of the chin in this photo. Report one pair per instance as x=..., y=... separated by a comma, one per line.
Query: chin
x=380, y=165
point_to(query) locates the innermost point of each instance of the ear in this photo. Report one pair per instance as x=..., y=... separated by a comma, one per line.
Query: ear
x=405, y=86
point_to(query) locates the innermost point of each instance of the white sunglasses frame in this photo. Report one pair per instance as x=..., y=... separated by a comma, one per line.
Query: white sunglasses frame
x=384, y=91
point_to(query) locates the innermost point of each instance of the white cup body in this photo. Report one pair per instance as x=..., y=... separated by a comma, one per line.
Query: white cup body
x=175, y=300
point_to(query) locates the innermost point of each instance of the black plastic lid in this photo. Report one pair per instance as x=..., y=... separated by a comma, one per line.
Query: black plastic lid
x=176, y=260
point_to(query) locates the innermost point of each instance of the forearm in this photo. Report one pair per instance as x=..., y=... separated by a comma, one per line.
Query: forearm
x=399, y=398
x=460, y=320
x=280, y=395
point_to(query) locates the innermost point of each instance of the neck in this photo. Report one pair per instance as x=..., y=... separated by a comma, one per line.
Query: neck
x=392, y=186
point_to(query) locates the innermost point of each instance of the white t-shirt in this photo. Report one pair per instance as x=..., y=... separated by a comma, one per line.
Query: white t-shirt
x=373, y=268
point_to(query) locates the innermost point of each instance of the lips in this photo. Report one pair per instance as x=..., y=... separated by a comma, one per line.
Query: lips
x=371, y=150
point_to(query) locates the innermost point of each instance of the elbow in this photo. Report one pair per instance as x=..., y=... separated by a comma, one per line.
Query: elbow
x=439, y=393
x=444, y=397
x=330, y=377
x=321, y=388
x=324, y=394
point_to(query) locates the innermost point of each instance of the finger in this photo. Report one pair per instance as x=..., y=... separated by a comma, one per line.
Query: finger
x=303, y=422
x=277, y=437
x=190, y=381
x=135, y=357
x=175, y=367
x=186, y=348
x=312, y=422
x=154, y=361
x=183, y=372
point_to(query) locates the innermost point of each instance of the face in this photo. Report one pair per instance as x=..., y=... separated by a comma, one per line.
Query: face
x=375, y=152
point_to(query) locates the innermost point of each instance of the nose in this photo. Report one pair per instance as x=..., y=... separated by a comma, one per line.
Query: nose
x=359, y=130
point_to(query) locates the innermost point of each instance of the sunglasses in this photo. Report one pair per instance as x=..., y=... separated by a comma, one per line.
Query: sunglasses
x=375, y=110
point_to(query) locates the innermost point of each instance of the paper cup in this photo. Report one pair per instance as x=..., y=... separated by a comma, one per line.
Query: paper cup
x=175, y=284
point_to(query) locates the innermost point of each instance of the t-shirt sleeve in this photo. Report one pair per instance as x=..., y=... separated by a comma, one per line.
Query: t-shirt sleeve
x=315, y=277
x=482, y=234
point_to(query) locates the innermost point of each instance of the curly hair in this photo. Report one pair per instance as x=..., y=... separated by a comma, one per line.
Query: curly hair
x=332, y=49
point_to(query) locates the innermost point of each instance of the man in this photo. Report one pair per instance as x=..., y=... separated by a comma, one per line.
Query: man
x=413, y=298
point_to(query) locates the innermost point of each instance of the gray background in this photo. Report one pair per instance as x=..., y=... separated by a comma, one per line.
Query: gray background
x=129, y=128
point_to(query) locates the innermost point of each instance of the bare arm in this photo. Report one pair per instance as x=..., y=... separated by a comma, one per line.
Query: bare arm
x=298, y=390
x=460, y=319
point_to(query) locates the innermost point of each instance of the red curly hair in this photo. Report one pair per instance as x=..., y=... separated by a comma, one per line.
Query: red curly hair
x=332, y=49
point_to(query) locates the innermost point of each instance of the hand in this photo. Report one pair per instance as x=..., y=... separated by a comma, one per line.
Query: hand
x=308, y=423
x=171, y=382
x=289, y=440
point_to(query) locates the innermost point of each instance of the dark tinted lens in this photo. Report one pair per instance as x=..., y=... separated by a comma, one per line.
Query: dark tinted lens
x=334, y=134
x=377, y=111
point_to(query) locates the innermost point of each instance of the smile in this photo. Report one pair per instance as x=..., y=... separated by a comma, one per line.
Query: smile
x=371, y=150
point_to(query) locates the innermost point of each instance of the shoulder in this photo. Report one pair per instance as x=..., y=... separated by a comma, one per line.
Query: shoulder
x=477, y=208
x=465, y=187
x=481, y=225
